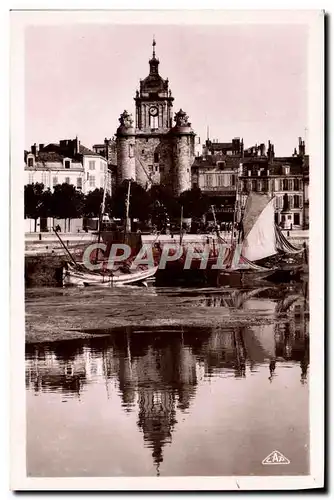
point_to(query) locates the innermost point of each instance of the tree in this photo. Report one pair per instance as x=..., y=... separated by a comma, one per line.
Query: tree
x=67, y=202
x=164, y=205
x=46, y=205
x=33, y=196
x=139, y=201
x=195, y=203
x=93, y=203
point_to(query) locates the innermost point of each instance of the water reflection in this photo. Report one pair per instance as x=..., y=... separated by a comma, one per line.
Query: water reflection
x=157, y=371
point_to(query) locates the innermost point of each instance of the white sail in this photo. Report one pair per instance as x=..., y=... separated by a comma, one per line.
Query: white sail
x=260, y=242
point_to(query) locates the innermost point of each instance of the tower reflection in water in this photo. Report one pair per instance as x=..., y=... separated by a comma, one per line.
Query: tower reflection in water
x=157, y=370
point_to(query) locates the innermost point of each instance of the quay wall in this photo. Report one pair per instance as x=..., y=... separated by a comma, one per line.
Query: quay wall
x=43, y=270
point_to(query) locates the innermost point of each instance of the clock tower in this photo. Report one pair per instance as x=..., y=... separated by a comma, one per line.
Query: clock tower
x=155, y=150
x=154, y=101
x=154, y=113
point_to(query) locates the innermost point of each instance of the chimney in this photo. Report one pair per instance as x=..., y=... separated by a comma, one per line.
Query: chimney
x=301, y=147
x=76, y=146
x=41, y=147
x=270, y=152
x=262, y=149
x=236, y=145
x=63, y=145
x=106, y=148
x=34, y=149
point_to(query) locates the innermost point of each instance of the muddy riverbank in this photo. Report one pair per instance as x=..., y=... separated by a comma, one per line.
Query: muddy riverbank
x=54, y=314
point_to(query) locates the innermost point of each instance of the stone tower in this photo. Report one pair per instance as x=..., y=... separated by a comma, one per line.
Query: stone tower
x=125, y=146
x=183, y=152
x=154, y=105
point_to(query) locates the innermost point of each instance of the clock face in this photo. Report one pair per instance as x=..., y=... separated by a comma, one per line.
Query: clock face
x=153, y=111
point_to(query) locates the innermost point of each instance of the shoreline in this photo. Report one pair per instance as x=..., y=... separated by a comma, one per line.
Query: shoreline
x=39, y=336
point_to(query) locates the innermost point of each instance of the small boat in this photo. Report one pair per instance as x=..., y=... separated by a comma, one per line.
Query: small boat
x=137, y=277
x=77, y=274
x=74, y=276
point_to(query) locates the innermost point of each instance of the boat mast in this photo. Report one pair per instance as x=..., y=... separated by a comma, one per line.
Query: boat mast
x=237, y=211
x=127, y=226
x=236, y=207
x=102, y=208
x=65, y=248
x=214, y=215
x=181, y=223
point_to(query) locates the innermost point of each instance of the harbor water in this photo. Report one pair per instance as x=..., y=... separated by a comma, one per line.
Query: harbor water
x=167, y=381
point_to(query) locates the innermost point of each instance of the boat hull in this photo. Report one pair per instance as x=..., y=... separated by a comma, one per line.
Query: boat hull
x=78, y=278
x=240, y=277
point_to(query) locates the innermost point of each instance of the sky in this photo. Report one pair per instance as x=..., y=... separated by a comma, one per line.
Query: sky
x=240, y=80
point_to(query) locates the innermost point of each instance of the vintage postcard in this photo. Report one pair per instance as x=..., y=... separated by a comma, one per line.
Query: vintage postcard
x=167, y=249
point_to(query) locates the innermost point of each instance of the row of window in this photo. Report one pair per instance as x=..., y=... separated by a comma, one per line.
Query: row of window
x=259, y=186
x=273, y=185
x=55, y=181
x=91, y=165
x=295, y=201
x=219, y=180
x=67, y=164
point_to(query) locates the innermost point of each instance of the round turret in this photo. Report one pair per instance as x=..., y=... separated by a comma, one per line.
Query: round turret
x=183, y=138
x=126, y=144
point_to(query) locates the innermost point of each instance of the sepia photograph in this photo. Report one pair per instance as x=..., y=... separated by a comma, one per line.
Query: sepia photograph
x=167, y=259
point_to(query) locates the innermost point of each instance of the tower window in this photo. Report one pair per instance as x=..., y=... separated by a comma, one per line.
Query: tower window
x=30, y=162
x=156, y=157
x=154, y=122
x=143, y=151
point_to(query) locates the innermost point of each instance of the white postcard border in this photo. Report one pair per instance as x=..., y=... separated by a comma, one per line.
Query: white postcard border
x=19, y=480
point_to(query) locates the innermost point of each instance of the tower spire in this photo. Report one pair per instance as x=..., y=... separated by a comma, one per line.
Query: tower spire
x=153, y=46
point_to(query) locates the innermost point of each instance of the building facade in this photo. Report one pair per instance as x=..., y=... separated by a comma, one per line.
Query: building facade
x=153, y=150
x=67, y=162
x=285, y=178
x=216, y=173
x=227, y=173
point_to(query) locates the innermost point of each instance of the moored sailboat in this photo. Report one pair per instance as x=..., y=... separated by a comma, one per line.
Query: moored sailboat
x=77, y=274
x=259, y=238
